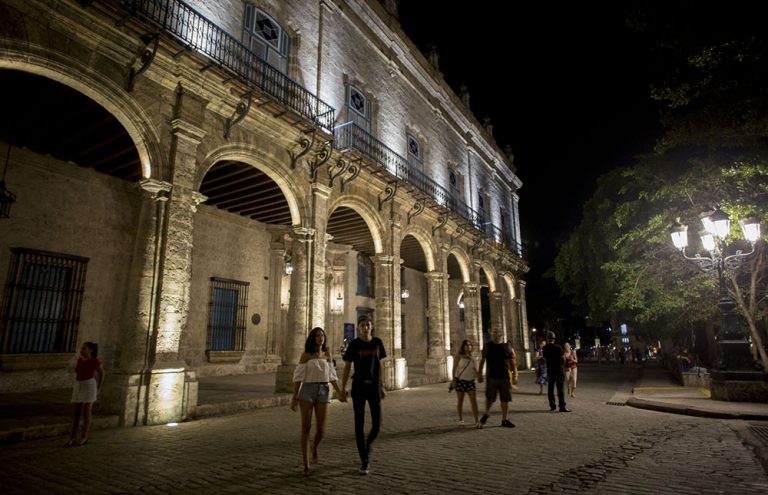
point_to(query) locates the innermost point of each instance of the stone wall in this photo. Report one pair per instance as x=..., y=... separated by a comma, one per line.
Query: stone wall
x=65, y=209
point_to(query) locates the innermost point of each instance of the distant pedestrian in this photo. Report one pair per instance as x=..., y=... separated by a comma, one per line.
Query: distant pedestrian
x=464, y=375
x=366, y=352
x=553, y=354
x=571, y=361
x=541, y=367
x=500, y=365
x=311, y=392
x=85, y=391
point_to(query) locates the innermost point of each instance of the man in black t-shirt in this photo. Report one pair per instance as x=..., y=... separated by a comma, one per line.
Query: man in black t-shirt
x=499, y=360
x=553, y=355
x=366, y=352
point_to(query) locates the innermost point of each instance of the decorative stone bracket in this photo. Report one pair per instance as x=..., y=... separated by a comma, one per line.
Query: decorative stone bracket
x=321, y=157
x=389, y=194
x=305, y=145
x=441, y=221
x=417, y=209
x=144, y=60
x=354, y=168
x=241, y=110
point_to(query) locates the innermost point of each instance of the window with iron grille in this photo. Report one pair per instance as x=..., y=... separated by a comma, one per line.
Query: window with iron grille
x=265, y=37
x=229, y=305
x=42, y=300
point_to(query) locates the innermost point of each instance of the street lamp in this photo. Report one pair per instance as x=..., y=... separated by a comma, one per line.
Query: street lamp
x=734, y=359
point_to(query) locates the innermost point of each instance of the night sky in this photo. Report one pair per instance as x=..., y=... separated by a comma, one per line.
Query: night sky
x=567, y=86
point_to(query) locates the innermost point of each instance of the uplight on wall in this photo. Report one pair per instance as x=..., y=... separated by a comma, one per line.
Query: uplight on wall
x=405, y=294
x=288, y=266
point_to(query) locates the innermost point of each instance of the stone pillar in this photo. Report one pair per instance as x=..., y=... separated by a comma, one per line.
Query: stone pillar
x=497, y=313
x=298, y=309
x=436, y=363
x=123, y=393
x=276, y=268
x=320, y=195
x=387, y=324
x=523, y=322
x=472, y=317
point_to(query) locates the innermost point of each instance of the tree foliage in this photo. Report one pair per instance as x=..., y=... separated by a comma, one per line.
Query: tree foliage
x=619, y=263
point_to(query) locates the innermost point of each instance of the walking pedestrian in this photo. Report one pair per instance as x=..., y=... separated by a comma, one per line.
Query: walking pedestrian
x=500, y=360
x=553, y=354
x=85, y=391
x=366, y=352
x=571, y=361
x=464, y=374
x=311, y=391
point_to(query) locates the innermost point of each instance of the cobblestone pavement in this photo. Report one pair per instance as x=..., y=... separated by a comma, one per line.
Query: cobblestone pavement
x=597, y=448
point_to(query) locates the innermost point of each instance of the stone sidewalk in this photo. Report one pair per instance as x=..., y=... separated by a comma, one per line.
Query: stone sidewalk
x=598, y=448
x=47, y=413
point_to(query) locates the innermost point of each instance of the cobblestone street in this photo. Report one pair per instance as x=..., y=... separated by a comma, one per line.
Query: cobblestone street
x=598, y=448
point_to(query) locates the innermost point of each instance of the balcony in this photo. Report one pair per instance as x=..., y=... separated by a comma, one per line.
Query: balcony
x=194, y=32
x=350, y=136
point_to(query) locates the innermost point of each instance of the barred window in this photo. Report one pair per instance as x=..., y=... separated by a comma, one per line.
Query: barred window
x=42, y=300
x=229, y=305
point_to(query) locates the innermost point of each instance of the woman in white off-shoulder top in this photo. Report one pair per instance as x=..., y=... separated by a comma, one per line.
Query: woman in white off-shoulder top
x=311, y=392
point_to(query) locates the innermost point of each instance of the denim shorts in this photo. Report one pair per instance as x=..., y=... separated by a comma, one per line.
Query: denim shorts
x=315, y=393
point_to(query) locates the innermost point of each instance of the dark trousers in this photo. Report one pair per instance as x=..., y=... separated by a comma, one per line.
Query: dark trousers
x=556, y=380
x=362, y=392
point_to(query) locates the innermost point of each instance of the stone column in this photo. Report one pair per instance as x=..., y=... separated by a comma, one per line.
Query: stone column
x=276, y=268
x=472, y=317
x=523, y=322
x=298, y=309
x=320, y=195
x=497, y=313
x=436, y=363
x=122, y=393
x=387, y=324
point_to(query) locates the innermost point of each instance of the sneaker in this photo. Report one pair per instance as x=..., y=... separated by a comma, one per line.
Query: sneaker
x=507, y=424
x=461, y=422
x=483, y=419
x=364, y=468
x=565, y=409
x=479, y=425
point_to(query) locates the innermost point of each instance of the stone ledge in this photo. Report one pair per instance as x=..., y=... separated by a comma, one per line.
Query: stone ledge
x=224, y=356
x=37, y=361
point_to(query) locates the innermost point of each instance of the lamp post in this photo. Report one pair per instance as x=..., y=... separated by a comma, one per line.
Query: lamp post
x=734, y=362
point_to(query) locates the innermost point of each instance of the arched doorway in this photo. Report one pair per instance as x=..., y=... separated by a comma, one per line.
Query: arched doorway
x=414, y=300
x=68, y=243
x=351, y=273
x=241, y=270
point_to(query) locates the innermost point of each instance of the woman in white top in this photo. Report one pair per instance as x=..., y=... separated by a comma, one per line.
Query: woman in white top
x=311, y=392
x=464, y=374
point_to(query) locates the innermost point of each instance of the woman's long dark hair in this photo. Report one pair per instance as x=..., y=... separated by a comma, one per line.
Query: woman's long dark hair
x=463, y=344
x=310, y=346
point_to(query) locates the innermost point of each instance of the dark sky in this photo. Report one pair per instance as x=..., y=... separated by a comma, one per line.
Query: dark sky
x=567, y=86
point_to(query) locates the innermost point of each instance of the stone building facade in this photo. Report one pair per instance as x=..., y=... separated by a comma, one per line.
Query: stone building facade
x=200, y=183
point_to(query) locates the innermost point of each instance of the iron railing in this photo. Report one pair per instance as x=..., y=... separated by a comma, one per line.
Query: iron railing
x=199, y=33
x=352, y=136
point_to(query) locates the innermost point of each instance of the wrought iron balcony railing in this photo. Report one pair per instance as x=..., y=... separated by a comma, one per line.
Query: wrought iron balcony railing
x=199, y=33
x=352, y=136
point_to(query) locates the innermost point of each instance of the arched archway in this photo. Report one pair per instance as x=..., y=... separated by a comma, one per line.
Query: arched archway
x=351, y=267
x=103, y=91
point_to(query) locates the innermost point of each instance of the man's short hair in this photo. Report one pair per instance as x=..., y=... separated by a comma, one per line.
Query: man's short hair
x=550, y=335
x=364, y=318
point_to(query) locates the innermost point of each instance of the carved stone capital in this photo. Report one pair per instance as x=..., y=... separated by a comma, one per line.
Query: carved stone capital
x=302, y=234
x=187, y=131
x=156, y=189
